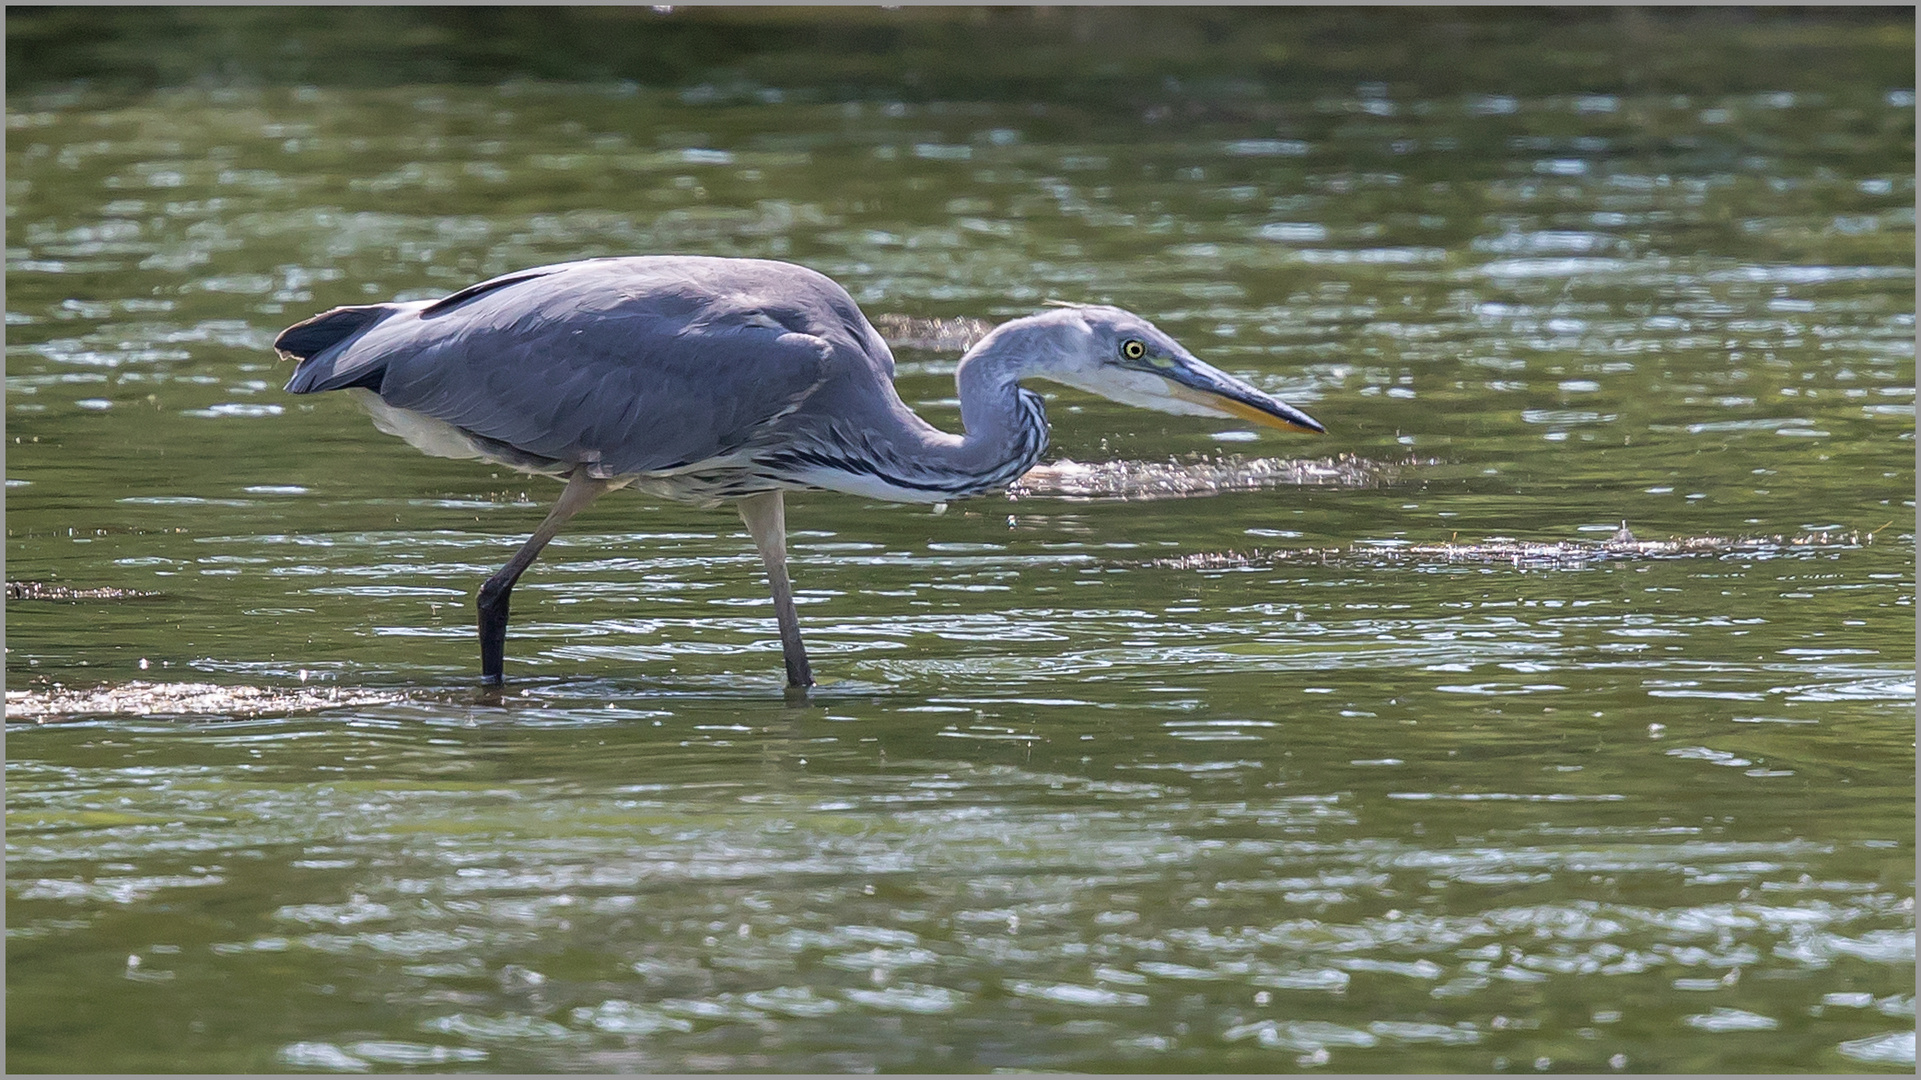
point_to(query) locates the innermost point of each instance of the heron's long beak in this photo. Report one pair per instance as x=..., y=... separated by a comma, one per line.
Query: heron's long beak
x=1211, y=388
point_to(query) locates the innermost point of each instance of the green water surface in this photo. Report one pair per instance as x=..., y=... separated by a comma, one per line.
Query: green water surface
x=1054, y=806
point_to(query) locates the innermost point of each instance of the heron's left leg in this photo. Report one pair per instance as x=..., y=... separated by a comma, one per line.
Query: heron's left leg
x=581, y=490
x=766, y=518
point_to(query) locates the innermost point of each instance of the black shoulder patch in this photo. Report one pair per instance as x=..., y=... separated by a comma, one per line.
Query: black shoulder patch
x=329, y=328
x=448, y=303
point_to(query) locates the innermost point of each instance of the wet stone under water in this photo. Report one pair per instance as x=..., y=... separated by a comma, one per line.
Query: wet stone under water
x=1209, y=750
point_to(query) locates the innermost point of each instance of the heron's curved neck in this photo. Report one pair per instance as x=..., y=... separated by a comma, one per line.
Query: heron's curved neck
x=1006, y=427
x=906, y=459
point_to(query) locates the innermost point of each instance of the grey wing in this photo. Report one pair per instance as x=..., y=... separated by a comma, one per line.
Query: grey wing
x=638, y=365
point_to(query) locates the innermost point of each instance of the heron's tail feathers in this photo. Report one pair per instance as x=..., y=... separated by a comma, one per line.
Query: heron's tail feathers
x=305, y=339
x=311, y=341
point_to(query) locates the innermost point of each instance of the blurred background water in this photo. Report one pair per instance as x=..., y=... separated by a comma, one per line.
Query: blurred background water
x=1091, y=782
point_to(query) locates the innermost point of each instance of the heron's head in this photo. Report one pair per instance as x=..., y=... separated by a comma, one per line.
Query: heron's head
x=1123, y=357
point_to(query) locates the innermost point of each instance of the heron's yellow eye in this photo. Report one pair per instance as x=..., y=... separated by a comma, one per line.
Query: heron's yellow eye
x=1132, y=349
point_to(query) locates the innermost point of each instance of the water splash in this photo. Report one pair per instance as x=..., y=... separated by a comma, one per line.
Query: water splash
x=1142, y=480
x=931, y=335
x=40, y=590
x=145, y=699
x=1525, y=553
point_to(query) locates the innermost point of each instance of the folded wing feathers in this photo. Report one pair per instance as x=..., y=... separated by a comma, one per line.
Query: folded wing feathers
x=578, y=363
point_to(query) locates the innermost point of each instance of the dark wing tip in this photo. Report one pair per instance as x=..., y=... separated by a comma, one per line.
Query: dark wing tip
x=305, y=339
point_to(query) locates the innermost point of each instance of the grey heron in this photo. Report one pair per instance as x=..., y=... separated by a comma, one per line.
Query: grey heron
x=704, y=380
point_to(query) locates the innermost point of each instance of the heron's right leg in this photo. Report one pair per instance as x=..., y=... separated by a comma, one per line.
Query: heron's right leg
x=766, y=518
x=580, y=490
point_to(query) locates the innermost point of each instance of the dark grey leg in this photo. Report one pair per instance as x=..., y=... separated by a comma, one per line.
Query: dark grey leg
x=766, y=518
x=494, y=595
